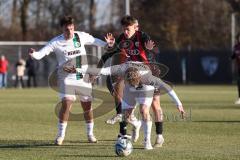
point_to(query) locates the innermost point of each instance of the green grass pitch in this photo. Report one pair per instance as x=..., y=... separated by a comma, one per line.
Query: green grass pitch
x=210, y=132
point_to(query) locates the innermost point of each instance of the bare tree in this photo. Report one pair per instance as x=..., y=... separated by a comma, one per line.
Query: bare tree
x=38, y=11
x=14, y=14
x=67, y=6
x=24, y=17
x=92, y=15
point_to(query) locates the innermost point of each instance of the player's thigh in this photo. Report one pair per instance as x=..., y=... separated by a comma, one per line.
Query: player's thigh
x=127, y=113
x=118, y=88
x=83, y=90
x=128, y=99
x=66, y=90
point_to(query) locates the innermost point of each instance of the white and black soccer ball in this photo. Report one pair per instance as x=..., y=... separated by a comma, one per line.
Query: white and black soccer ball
x=123, y=147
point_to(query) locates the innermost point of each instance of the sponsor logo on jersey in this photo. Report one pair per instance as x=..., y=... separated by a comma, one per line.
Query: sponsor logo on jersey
x=70, y=53
x=133, y=52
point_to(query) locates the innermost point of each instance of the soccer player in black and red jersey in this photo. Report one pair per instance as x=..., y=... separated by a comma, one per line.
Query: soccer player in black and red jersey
x=132, y=45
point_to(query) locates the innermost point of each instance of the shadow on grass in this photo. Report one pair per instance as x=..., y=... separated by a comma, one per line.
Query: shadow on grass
x=50, y=144
x=87, y=155
x=25, y=143
x=216, y=121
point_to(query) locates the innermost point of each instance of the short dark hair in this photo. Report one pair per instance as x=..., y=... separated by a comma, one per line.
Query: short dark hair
x=128, y=20
x=66, y=20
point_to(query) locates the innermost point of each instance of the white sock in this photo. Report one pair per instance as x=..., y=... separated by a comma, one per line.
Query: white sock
x=147, y=128
x=159, y=135
x=134, y=122
x=62, y=129
x=89, y=127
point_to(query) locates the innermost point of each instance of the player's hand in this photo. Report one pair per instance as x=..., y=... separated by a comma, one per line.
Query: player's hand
x=182, y=112
x=31, y=51
x=149, y=44
x=110, y=40
x=69, y=69
x=92, y=78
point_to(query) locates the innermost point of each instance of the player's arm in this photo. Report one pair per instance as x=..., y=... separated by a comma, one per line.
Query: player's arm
x=113, y=70
x=161, y=85
x=148, y=43
x=46, y=50
x=104, y=58
x=112, y=49
x=109, y=38
x=90, y=40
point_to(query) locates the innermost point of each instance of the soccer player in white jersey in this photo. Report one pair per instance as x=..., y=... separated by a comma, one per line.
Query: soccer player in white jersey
x=67, y=46
x=139, y=88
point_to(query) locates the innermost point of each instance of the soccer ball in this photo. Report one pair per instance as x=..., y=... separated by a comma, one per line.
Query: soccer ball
x=123, y=147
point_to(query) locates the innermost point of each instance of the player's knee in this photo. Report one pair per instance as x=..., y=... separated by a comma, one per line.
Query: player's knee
x=145, y=114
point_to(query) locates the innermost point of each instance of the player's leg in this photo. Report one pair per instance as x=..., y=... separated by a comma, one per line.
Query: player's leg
x=145, y=100
x=158, y=114
x=147, y=125
x=88, y=115
x=115, y=90
x=84, y=90
x=127, y=111
x=63, y=118
x=67, y=96
x=128, y=103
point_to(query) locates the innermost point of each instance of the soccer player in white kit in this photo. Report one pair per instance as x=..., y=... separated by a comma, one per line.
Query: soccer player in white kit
x=67, y=46
x=139, y=88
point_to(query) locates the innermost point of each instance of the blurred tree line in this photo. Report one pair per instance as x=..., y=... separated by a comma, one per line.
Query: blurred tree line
x=175, y=24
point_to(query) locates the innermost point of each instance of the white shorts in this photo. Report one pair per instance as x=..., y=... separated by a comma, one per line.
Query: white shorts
x=133, y=96
x=70, y=88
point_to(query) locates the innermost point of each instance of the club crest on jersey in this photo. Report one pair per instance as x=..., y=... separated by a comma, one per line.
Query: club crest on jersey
x=77, y=44
x=137, y=44
x=126, y=44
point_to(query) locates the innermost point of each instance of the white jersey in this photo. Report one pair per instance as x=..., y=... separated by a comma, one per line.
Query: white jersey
x=67, y=50
x=118, y=70
x=146, y=76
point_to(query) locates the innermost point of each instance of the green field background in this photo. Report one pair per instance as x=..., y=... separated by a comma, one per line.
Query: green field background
x=211, y=130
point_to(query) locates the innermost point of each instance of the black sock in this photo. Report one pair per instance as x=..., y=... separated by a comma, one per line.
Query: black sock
x=159, y=127
x=123, y=128
x=118, y=107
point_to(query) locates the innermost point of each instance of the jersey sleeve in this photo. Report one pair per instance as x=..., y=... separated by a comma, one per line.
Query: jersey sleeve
x=156, y=82
x=113, y=70
x=145, y=37
x=46, y=50
x=90, y=40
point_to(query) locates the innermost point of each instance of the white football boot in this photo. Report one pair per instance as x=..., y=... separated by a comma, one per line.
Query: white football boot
x=147, y=145
x=92, y=139
x=135, y=132
x=59, y=141
x=237, y=101
x=159, y=141
x=116, y=118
